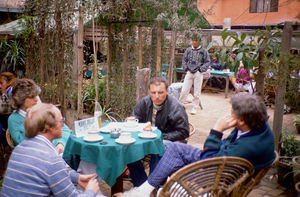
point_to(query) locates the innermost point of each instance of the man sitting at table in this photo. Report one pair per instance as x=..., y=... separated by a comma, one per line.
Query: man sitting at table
x=251, y=139
x=164, y=112
x=35, y=168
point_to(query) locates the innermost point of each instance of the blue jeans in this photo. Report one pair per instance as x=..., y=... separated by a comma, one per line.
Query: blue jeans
x=137, y=170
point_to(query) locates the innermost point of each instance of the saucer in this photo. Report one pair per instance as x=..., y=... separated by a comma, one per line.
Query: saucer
x=93, y=132
x=105, y=129
x=131, y=125
x=125, y=142
x=147, y=135
x=92, y=138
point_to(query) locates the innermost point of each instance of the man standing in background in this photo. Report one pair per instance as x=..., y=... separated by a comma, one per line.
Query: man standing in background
x=195, y=62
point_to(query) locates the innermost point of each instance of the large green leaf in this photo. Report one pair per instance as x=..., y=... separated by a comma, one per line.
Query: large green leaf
x=239, y=56
x=224, y=34
x=243, y=36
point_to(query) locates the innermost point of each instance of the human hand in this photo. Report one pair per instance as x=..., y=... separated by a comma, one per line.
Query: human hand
x=60, y=148
x=224, y=123
x=83, y=179
x=93, y=185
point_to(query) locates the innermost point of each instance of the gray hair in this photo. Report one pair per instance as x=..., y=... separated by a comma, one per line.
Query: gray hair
x=40, y=118
x=249, y=108
x=22, y=89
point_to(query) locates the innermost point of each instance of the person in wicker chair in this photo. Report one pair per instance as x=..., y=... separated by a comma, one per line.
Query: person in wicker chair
x=251, y=139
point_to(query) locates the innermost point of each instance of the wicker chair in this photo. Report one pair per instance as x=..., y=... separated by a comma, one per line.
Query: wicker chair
x=257, y=177
x=220, y=176
x=10, y=142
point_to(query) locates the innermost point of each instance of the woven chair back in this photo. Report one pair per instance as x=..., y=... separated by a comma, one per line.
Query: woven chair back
x=220, y=176
x=256, y=178
x=9, y=140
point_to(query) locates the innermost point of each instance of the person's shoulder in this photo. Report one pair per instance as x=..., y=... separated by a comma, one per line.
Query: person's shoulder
x=145, y=99
x=42, y=149
x=174, y=102
x=15, y=116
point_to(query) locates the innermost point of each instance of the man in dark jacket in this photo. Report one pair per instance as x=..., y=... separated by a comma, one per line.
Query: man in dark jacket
x=164, y=112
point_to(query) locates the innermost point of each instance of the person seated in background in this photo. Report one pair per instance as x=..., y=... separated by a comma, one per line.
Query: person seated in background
x=243, y=80
x=7, y=80
x=35, y=168
x=215, y=64
x=24, y=96
x=164, y=112
x=216, y=81
x=251, y=139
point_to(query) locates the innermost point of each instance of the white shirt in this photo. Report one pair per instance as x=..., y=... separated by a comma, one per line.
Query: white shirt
x=241, y=133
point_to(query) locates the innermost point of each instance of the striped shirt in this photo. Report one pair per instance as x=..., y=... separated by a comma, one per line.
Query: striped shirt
x=36, y=169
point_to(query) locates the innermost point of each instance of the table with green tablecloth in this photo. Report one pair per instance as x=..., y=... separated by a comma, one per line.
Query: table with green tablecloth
x=111, y=158
x=216, y=73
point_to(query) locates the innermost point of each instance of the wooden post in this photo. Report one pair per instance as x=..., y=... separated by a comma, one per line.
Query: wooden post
x=158, y=49
x=95, y=69
x=142, y=80
x=172, y=56
x=109, y=61
x=282, y=79
x=80, y=62
x=140, y=48
x=124, y=64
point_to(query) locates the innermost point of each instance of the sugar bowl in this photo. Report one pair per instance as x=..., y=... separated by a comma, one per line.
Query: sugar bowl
x=115, y=132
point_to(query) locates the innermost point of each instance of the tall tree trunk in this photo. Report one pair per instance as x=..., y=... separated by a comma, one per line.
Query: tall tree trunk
x=158, y=48
x=172, y=56
x=60, y=62
x=80, y=62
x=152, y=56
x=109, y=61
x=95, y=59
x=282, y=80
x=140, y=48
x=124, y=64
x=260, y=79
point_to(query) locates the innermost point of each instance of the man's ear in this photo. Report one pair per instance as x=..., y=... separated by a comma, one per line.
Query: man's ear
x=241, y=122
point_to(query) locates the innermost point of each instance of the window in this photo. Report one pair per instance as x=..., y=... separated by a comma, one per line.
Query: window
x=261, y=6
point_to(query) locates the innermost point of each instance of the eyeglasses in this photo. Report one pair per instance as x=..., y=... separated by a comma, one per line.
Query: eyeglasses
x=61, y=120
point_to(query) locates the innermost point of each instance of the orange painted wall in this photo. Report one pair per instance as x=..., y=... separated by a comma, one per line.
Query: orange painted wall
x=238, y=10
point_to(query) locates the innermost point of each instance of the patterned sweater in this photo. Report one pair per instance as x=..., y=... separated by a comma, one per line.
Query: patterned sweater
x=194, y=60
x=35, y=169
x=17, y=130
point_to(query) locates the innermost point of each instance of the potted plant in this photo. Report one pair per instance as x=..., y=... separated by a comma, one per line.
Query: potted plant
x=289, y=149
x=297, y=123
x=296, y=169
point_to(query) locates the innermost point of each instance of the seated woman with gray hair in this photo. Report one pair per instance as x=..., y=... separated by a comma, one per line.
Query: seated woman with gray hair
x=24, y=96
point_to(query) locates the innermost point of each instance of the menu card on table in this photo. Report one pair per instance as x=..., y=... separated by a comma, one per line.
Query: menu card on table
x=82, y=127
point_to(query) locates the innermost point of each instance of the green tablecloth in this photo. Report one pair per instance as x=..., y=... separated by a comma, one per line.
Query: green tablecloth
x=213, y=72
x=110, y=159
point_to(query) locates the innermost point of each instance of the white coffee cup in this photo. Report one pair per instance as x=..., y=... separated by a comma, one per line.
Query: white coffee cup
x=125, y=136
x=131, y=121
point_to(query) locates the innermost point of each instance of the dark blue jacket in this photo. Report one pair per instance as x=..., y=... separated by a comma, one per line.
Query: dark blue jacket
x=257, y=146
